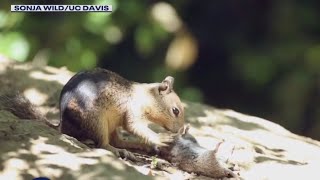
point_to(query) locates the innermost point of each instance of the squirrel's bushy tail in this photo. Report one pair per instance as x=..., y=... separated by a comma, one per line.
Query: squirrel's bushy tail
x=22, y=108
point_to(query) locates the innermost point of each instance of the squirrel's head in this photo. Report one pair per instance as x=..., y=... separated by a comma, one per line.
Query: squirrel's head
x=167, y=109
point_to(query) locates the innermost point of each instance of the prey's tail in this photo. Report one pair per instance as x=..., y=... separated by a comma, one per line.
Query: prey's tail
x=22, y=108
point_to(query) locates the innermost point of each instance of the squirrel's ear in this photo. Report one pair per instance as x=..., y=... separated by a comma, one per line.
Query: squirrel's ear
x=170, y=81
x=184, y=130
x=181, y=131
x=166, y=85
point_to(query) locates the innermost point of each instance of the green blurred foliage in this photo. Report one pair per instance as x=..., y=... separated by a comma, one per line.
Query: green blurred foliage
x=269, y=66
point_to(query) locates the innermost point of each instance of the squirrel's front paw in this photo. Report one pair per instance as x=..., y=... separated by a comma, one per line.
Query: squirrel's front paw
x=166, y=139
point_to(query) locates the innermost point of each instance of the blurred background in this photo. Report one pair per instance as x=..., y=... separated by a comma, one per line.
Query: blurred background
x=256, y=57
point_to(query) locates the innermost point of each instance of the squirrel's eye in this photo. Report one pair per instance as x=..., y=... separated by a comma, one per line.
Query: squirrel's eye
x=175, y=111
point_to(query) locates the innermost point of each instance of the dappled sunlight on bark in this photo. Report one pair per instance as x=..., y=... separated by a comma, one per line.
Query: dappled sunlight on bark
x=43, y=153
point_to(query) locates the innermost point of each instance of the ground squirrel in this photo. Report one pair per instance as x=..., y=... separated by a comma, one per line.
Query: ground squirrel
x=93, y=104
